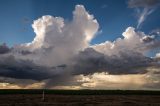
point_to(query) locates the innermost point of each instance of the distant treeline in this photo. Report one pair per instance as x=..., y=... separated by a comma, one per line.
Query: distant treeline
x=79, y=92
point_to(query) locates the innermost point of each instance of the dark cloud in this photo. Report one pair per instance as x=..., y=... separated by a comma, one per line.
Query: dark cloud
x=90, y=61
x=25, y=52
x=24, y=69
x=147, y=39
x=87, y=62
x=4, y=49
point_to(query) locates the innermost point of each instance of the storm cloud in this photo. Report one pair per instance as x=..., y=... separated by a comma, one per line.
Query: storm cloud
x=61, y=53
x=23, y=69
x=91, y=61
x=4, y=49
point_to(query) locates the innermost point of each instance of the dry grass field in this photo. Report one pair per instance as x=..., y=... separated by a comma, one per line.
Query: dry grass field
x=52, y=99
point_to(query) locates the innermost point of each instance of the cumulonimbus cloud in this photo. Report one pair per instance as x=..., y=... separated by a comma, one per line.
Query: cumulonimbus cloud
x=59, y=40
x=61, y=51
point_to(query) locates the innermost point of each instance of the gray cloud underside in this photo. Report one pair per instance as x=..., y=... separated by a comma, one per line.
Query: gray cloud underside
x=86, y=62
x=25, y=69
x=4, y=49
x=90, y=61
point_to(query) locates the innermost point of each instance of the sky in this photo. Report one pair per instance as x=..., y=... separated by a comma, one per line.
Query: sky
x=18, y=15
x=80, y=44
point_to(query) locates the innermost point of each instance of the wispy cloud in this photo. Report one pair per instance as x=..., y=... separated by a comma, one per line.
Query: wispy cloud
x=104, y=6
x=143, y=8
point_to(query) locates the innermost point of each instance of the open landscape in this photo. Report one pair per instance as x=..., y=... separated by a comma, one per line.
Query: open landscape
x=80, y=53
x=79, y=98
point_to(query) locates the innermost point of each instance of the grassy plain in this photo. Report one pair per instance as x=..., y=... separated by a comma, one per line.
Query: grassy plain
x=34, y=97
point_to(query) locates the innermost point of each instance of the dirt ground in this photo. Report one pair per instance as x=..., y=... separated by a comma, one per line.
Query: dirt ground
x=78, y=100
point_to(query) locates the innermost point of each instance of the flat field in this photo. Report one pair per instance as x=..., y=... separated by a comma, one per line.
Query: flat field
x=79, y=98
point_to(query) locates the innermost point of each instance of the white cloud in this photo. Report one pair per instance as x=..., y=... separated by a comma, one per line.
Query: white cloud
x=132, y=41
x=106, y=81
x=57, y=41
x=158, y=55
